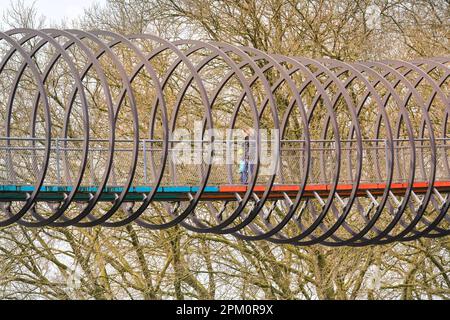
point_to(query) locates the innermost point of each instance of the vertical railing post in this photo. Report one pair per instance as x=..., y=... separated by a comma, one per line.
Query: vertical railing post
x=91, y=169
x=386, y=152
x=145, y=161
x=9, y=168
x=58, y=167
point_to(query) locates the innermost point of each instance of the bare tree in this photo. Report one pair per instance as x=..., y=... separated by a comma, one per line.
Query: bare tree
x=19, y=15
x=134, y=263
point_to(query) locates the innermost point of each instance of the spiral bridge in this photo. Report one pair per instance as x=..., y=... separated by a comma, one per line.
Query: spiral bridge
x=100, y=129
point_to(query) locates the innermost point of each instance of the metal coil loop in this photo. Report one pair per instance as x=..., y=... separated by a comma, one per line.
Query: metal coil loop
x=90, y=137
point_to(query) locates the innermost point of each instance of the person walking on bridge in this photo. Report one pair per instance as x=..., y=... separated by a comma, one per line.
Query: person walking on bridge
x=247, y=165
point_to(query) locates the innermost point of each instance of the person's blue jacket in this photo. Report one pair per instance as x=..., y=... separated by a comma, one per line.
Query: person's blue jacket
x=242, y=166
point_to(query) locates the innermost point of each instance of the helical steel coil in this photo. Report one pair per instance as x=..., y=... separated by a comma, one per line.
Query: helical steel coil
x=101, y=109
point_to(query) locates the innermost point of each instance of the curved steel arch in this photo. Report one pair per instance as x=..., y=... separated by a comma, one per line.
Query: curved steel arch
x=386, y=121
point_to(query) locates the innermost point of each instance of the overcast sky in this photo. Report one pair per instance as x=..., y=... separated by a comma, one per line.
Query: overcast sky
x=56, y=10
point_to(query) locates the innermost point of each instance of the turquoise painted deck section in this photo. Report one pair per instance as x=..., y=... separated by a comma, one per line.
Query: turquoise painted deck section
x=56, y=193
x=139, y=189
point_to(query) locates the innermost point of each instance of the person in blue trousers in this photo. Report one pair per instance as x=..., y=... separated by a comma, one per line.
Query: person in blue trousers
x=246, y=165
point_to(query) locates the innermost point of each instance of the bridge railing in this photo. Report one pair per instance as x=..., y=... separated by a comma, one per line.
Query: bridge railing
x=22, y=159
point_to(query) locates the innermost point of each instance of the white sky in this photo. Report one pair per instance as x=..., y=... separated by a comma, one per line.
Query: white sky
x=56, y=10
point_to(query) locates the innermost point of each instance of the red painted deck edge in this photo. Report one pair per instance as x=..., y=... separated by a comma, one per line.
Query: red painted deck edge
x=341, y=187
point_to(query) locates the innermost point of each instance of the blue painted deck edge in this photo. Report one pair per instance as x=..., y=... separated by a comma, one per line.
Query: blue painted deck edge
x=138, y=189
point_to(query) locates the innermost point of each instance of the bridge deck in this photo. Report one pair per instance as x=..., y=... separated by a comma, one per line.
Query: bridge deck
x=225, y=192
